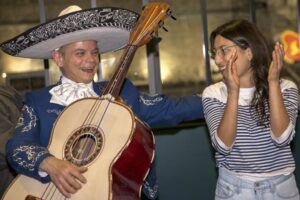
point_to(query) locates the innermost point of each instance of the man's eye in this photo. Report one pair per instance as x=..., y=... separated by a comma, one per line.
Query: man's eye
x=79, y=54
x=96, y=53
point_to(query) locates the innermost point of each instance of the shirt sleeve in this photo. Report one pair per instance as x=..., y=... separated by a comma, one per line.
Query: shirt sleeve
x=290, y=99
x=285, y=135
x=213, y=109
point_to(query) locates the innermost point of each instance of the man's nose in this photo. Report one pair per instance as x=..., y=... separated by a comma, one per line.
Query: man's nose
x=92, y=58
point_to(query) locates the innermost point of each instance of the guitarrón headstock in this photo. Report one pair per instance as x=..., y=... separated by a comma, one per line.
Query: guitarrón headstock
x=151, y=19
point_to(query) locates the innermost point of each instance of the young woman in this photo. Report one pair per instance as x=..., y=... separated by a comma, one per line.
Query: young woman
x=251, y=116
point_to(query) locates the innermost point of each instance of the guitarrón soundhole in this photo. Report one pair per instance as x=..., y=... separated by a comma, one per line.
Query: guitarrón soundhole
x=29, y=197
x=84, y=145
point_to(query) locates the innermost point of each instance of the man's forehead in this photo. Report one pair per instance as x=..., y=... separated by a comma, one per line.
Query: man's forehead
x=81, y=45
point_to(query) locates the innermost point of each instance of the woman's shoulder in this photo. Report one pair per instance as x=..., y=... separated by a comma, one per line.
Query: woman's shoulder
x=216, y=90
x=287, y=84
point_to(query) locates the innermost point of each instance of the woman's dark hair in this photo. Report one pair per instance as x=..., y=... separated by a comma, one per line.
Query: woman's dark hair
x=246, y=35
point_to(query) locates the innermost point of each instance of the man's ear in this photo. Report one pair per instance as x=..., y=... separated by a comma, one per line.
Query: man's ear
x=57, y=58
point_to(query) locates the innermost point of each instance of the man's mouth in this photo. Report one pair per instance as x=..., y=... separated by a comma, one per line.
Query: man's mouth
x=88, y=70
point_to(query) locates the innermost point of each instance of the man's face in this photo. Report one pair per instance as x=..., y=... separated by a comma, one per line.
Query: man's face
x=78, y=61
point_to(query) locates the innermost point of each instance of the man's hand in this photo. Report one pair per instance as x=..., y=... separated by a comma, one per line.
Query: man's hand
x=66, y=177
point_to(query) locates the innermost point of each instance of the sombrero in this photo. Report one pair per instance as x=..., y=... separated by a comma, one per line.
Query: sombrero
x=109, y=26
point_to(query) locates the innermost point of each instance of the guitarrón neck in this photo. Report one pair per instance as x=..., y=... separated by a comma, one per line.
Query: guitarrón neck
x=115, y=84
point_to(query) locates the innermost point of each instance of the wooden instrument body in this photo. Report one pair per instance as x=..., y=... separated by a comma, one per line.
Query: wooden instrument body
x=118, y=163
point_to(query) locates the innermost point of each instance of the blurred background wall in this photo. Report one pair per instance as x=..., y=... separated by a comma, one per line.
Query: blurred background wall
x=182, y=60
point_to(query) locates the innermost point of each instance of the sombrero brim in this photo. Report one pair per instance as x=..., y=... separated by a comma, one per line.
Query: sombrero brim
x=109, y=26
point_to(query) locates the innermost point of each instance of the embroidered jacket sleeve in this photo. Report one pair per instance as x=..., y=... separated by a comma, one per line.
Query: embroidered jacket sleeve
x=290, y=99
x=214, y=99
x=24, y=150
x=159, y=109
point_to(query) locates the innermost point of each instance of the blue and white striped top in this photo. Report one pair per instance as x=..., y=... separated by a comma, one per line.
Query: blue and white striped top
x=255, y=150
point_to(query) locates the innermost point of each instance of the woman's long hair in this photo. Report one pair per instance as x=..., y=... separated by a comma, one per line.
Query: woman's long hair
x=246, y=35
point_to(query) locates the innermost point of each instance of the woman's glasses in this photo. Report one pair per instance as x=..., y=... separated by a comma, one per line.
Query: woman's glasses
x=222, y=51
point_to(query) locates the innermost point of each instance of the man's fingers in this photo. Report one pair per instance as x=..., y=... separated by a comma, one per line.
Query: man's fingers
x=78, y=174
x=62, y=188
x=73, y=183
x=74, y=178
x=83, y=169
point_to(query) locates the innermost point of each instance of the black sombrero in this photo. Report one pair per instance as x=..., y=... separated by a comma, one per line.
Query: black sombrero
x=109, y=26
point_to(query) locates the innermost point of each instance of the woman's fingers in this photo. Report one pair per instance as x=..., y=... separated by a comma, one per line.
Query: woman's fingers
x=231, y=65
x=277, y=62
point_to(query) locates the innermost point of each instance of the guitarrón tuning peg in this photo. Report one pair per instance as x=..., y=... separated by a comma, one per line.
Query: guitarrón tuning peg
x=156, y=39
x=169, y=13
x=174, y=18
x=165, y=29
x=161, y=25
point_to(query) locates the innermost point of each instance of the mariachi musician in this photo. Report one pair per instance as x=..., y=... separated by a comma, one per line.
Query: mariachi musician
x=74, y=41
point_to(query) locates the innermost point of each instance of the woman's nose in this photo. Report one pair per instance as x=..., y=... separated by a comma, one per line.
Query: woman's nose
x=219, y=59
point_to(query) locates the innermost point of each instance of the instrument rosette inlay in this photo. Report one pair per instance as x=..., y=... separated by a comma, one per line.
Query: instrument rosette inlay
x=84, y=145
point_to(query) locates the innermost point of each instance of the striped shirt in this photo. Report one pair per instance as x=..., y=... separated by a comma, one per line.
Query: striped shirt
x=255, y=149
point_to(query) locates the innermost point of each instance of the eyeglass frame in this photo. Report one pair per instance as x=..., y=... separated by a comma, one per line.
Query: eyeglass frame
x=214, y=52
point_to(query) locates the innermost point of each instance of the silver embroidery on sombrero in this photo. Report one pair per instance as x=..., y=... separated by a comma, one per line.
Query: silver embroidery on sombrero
x=26, y=156
x=27, y=112
x=85, y=19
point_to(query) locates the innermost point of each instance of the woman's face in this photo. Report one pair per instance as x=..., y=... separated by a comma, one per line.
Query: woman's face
x=223, y=48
